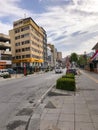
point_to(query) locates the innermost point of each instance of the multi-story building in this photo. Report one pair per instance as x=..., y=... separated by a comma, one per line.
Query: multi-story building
x=5, y=52
x=53, y=49
x=27, y=42
x=50, y=57
x=45, y=63
x=59, y=58
x=94, y=59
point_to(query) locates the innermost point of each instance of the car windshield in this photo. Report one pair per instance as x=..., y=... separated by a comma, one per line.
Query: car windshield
x=58, y=68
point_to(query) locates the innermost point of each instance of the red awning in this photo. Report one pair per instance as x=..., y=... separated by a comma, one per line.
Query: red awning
x=95, y=55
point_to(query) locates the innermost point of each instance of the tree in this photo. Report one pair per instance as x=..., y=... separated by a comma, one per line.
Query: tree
x=74, y=57
x=82, y=61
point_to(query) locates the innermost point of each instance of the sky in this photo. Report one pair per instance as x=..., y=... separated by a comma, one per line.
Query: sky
x=71, y=25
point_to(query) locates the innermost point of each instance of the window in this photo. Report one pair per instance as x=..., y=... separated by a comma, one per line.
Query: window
x=18, y=57
x=23, y=56
x=17, y=31
x=25, y=35
x=25, y=28
x=18, y=50
x=35, y=56
x=23, y=49
x=17, y=37
x=17, y=44
x=28, y=56
x=26, y=49
x=25, y=42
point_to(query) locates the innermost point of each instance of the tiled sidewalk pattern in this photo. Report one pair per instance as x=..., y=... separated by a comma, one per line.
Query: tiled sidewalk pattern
x=75, y=111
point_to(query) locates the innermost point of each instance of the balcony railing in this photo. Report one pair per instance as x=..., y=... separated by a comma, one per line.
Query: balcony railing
x=3, y=44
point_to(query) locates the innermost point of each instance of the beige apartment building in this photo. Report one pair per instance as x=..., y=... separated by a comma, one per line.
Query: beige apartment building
x=59, y=56
x=27, y=43
x=54, y=53
x=5, y=52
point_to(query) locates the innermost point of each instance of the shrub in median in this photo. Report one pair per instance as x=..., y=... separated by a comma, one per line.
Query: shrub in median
x=66, y=84
x=69, y=76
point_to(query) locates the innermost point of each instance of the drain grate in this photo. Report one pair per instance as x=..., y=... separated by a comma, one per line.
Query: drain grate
x=25, y=111
x=13, y=125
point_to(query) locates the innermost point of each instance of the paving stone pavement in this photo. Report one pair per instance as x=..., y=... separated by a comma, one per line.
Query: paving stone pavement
x=72, y=111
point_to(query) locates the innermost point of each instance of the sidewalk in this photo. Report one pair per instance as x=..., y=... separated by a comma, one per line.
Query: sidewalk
x=13, y=76
x=70, y=111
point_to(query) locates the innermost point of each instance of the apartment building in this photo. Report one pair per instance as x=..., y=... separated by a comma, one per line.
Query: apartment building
x=50, y=57
x=54, y=51
x=59, y=56
x=5, y=52
x=45, y=63
x=27, y=42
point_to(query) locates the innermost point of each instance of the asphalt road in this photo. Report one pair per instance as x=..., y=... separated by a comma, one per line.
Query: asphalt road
x=19, y=96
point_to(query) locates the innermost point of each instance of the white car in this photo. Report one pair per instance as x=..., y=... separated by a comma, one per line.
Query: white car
x=3, y=72
x=58, y=70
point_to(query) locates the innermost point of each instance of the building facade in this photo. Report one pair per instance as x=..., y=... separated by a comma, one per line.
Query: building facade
x=94, y=59
x=50, y=57
x=54, y=52
x=45, y=63
x=27, y=42
x=5, y=52
x=59, y=56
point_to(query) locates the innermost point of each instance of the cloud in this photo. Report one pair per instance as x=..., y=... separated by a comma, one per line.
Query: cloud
x=71, y=25
x=75, y=23
x=11, y=8
x=10, y=11
x=4, y=28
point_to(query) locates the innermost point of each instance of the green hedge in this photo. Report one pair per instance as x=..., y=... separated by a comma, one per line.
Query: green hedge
x=66, y=84
x=69, y=76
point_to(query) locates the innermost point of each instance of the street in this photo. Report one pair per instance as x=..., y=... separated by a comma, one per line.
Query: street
x=19, y=96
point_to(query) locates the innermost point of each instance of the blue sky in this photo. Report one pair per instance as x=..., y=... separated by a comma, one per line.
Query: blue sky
x=71, y=25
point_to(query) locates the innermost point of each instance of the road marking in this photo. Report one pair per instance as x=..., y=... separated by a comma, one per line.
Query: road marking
x=90, y=77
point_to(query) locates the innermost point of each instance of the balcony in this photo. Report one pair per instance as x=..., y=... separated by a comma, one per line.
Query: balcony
x=4, y=37
x=4, y=45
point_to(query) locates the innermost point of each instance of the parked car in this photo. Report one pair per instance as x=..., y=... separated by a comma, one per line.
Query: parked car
x=3, y=72
x=11, y=71
x=58, y=70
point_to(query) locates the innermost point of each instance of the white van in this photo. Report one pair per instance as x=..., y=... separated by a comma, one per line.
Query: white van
x=58, y=70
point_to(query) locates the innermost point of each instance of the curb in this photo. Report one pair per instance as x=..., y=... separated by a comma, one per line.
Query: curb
x=30, y=121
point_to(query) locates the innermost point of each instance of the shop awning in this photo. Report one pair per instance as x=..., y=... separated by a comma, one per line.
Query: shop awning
x=95, y=56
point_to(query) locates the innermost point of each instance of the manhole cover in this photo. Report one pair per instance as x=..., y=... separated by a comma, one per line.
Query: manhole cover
x=13, y=125
x=25, y=111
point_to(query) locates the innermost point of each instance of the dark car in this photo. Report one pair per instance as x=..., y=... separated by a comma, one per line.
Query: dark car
x=72, y=70
x=11, y=71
